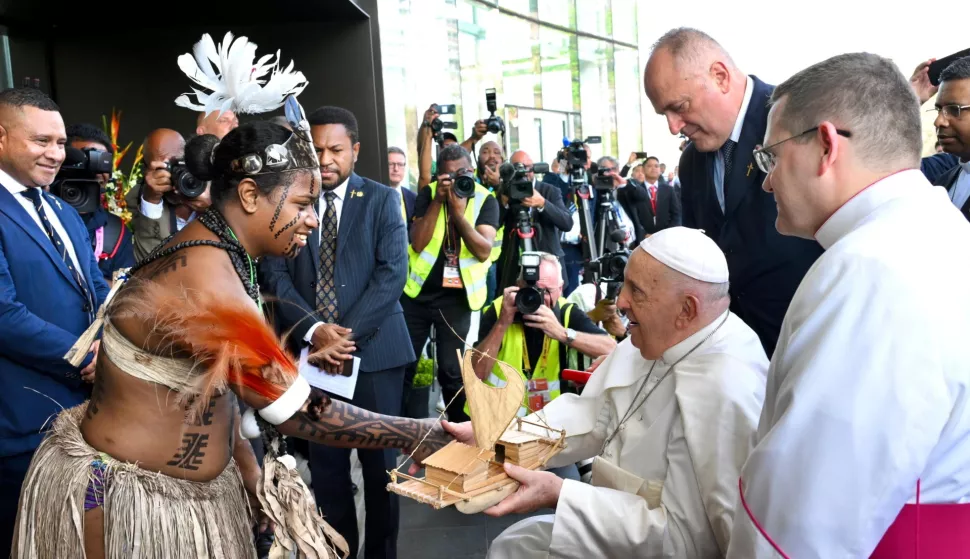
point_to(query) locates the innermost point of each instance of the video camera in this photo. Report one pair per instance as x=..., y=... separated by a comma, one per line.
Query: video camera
x=609, y=269
x=516, y=183
x=494, y=122
x=77, y=181
x=529, y=298
x=463, y=183
x=184, y=182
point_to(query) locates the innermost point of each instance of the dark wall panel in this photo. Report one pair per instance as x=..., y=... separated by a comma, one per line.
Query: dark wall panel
x=341, y=60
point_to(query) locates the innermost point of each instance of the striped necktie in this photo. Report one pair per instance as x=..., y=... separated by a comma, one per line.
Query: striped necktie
x=33, y=194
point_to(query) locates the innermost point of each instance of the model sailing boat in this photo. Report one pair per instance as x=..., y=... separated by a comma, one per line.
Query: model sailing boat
x=472, y=477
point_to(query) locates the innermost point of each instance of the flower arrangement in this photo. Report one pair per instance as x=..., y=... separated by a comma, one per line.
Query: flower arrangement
x=120, y=184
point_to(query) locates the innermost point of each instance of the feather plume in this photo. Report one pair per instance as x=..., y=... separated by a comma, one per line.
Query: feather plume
x=231, y=78
x=230, y=339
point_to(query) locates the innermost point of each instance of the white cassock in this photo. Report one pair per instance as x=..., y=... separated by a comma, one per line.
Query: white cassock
x=682, y=451
x=869, y=386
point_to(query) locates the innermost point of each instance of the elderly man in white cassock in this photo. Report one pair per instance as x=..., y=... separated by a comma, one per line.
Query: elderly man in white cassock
x=669, y=417
x=864, y=444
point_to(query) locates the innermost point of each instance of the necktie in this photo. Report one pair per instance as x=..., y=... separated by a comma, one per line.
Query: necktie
x=728, y=151
x=653, y=198
x=33, y=194
x=326, y=293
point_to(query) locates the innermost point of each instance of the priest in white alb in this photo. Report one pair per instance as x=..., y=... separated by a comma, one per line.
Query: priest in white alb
x=863, y=447
x=669, y=417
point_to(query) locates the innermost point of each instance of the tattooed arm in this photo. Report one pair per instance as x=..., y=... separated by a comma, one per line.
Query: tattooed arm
x=343, y=425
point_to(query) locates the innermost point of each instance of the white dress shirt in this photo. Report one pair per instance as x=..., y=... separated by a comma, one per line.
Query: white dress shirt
x=15, y=188
x=960, y=191
x=338, y=206
x=735, y=137
x=154, y=211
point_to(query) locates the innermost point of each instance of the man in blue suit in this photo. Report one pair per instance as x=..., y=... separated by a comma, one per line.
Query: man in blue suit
x=341, y=298
x=692, y=81
x=50, y=290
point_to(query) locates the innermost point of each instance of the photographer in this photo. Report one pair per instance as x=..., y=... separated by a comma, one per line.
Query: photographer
x=169, y=197
x=110, y=239
x=490, y=158
x=536, y=317
x=451, y=244
x=543, y=210
x=426, y=143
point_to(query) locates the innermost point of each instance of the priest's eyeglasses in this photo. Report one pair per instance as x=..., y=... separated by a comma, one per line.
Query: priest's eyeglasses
x=766, y=160
x=949, y=111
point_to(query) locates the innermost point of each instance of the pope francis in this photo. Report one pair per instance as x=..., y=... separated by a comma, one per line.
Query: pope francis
x=669, y=416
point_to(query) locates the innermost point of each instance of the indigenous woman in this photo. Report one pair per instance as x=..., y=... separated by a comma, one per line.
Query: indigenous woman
x=153, y=466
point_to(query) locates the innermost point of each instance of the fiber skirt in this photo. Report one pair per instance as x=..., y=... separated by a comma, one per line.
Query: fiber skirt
x=147, y=515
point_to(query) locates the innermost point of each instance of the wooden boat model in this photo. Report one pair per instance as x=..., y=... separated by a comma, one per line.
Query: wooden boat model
x=472, y=477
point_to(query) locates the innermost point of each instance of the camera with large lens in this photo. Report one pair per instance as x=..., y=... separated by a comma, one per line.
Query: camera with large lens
x=529, y=298
x=184, y=182
x=494, y=123
x=516, y=183
x=77, y=181
x=463, y=183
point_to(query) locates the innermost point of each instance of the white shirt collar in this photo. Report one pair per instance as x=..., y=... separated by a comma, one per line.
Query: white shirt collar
x=654, y=185
x=679, y=350
x=966, y=166
x=10, y=183
x=739, y=122
x=846, y=218
x=341, y=190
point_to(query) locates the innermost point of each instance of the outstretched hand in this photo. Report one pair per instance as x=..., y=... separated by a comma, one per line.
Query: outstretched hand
x=537, y=490
x=920, y=81
x=434, y=442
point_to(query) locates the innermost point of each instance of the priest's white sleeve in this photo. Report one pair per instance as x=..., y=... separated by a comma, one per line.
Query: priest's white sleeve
x=856, y=401
x=584, y=418
x=600, y=522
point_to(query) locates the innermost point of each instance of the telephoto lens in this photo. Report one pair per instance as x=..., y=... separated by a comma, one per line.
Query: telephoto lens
x=528, y=299
x=185, y=183
x=464, y=184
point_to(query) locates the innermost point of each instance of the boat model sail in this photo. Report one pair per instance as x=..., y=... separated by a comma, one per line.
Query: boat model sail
x=472, y=477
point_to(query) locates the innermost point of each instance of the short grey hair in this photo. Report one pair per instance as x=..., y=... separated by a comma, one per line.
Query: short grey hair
x=395, y=149
x=601, y=160
x=959, y=69
x=546, y=257
x=687, y=44
x=718, y=291
x=863, y=93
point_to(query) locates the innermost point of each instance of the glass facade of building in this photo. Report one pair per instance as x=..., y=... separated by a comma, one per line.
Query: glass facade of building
x=561, y=68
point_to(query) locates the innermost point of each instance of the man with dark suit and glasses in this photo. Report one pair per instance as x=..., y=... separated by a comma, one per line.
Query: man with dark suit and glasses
x=953, y=130
x=50, y=290
x=341, y=298
x=692, y=81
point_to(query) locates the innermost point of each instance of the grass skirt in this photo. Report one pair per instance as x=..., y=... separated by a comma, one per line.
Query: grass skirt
x=147, y=515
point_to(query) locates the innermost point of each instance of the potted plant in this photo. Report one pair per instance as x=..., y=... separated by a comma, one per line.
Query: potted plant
x=421, y=390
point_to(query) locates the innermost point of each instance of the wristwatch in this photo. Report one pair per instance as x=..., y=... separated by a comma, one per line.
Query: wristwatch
x=570, y=336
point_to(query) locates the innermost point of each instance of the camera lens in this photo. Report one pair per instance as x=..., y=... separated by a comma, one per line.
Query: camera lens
x=72, y=195
x=187, y=185
x=437, y=125
x=495, y=125
x=528, y=300
x=617, y=265
x=464, y=186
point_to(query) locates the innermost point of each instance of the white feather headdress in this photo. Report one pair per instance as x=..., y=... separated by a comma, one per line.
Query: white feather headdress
x=233, y=80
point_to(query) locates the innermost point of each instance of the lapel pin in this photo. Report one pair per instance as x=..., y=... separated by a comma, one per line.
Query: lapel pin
x=750, y=168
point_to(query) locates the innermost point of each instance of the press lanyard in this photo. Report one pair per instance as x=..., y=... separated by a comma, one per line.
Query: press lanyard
x=526, y=363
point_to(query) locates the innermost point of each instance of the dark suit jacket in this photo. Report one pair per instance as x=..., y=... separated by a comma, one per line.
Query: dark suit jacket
x=548, y=225
x=371, y=269
x=637, y=199
x=409, y=197
x=947, y=180
x=42, y=313
x=765, y=267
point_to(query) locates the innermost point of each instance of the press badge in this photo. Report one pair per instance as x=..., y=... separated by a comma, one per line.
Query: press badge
x=452, y=275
